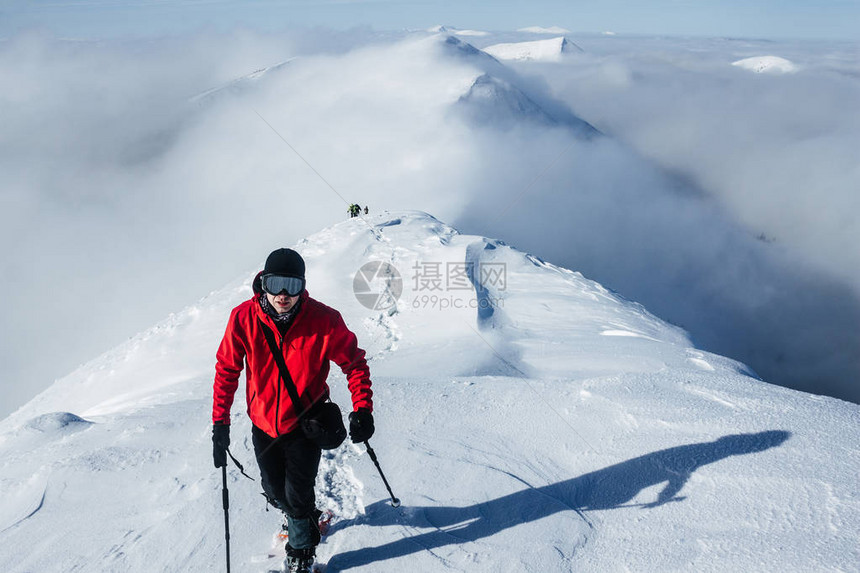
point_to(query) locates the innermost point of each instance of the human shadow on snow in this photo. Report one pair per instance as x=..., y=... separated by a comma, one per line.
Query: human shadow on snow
x=609, y=488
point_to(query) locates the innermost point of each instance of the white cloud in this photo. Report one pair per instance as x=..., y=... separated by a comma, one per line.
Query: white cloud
x=775, y=154
x=110, y=211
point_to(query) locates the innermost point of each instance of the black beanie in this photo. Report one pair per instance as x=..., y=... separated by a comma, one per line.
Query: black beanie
x=285, y=262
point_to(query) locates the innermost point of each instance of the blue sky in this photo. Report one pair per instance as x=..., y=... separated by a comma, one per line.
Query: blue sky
x=825, y=19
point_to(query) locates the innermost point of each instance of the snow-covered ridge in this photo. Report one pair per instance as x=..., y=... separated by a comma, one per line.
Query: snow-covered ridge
x=497, y=97
x=473, y=33
x=457, y=32
x=767, y=65
x=549, y=50
x=527, y=417
x=491, y=101
x=156, y=365
x=239, y=84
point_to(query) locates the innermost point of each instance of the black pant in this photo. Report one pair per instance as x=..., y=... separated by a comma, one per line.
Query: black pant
x=288, y=471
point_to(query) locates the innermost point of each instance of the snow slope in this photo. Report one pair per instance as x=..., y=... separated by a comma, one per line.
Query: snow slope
x=528, y=419
x=541, y=50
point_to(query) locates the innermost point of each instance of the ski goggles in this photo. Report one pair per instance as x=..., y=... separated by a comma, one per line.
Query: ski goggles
x=276, y=284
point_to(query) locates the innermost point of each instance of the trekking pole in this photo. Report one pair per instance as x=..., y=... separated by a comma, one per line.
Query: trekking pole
x=225, y=496
x=394, y=501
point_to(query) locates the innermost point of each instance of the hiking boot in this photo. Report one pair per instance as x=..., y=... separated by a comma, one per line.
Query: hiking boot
x=299, y=560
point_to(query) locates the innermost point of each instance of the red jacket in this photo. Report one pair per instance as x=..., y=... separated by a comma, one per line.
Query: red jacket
x=316, y=336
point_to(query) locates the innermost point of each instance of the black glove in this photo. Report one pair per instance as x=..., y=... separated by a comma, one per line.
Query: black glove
x=220, y=443
x=360, y=425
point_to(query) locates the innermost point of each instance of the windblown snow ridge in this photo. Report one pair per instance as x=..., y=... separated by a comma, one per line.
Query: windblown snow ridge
x=539, y=50
x=524, y=415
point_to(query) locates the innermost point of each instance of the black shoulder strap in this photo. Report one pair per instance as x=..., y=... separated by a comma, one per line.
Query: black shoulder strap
x=285, y=373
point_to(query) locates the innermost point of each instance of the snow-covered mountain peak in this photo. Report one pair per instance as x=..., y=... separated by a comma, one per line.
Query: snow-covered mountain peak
x=457, y=32
x=433, y=259
x=552, y=30
x=550, y=50
x=548, y=422
x=767, y=65
x=496, y=96
x=491, y=101
x=453, y=75
x=458, y=47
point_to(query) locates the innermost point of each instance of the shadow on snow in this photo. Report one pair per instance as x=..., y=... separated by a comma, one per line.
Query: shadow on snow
x=609, y=488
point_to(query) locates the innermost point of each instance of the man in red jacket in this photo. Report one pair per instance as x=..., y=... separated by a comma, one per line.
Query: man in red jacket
x=308, y=335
